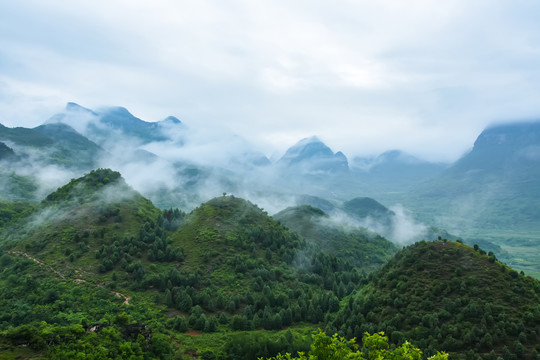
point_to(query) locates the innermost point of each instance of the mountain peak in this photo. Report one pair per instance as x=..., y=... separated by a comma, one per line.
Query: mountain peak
x=83, y=187
x=74, y=107
x=316, y=155
x=171, y=120
x=514, y=134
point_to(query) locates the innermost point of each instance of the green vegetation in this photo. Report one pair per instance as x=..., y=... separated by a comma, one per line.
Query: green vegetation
x=448, y=296
x=226, y=267
x=15, y=187
x=375, y=346
x=96, y=271
x=360, y=247
x=10, y=211
x=56, y=144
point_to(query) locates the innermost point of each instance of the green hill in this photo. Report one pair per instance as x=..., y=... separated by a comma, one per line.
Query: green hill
x=448, y=296
x=6, y=152
x=68, y=226
x=57, y=144
x=111, y=273
x=362, y=248
x=363, y=207
x=11, y=210
x=15, y=187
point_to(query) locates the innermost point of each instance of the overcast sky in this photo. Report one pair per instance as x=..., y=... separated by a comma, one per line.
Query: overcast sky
x=365, y=76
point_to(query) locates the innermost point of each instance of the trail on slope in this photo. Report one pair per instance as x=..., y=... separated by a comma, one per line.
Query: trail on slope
x=62, y=276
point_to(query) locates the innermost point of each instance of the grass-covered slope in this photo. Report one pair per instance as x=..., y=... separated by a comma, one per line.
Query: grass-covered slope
x=359, y=246
x=448, y=296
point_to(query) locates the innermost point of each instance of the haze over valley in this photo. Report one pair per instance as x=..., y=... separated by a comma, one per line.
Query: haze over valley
x=232, y=180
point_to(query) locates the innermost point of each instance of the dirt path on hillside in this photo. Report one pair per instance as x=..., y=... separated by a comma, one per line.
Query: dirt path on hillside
x=39, y=262
x=120, y=295
x=62, y=276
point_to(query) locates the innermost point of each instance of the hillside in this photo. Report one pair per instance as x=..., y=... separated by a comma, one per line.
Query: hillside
x=106, y=259
x=51, y=144
x=492, y=193
x=394, y=171
x=448, y=296
x=359, y=246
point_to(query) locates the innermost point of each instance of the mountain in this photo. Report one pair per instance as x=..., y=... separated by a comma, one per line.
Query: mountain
x=112, y=274
x=6, y=152
x=99, y=202
x=311, y=155
x=503, y=166
x=115, y=124
x=491, y=193
x=363, y=207
x=34, y=158
x=359, y=246
x=96, y=269
x=56, y=144
x=448, y=296
x=315, y=201
x=394, y=170
x=119, y=118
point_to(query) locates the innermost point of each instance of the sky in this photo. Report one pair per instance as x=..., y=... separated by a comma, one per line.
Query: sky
x=364, y=76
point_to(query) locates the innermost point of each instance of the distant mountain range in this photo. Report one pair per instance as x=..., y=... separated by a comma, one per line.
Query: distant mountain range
x=492, y=192
x=497, y=184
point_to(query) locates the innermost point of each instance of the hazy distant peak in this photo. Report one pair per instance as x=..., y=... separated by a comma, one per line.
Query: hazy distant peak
x=74, y=107
x=55, y=127
x=397, y=156
x=340, y=155
x=118, y=111
x=312, y=139
x=362, y=207
x=308, y=148
x=520, y=134
x=171, y=120
x=315, y=156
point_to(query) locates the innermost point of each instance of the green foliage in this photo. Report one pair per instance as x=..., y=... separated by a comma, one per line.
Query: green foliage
x=225, y=280
x=360, y=247
x=16, y=188
x=11, y=211
x=445, y=295
x=325, y=347
x=83, y=188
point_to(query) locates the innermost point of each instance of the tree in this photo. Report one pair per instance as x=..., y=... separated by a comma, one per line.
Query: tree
x=375, y=347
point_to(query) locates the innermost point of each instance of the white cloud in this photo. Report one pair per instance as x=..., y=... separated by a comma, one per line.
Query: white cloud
x=368, y=76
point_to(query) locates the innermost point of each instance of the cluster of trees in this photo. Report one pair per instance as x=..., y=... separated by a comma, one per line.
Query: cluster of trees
x=257, y=252
x=152, y=241
x=84, y=187
x=375, y=347
x=436, y=295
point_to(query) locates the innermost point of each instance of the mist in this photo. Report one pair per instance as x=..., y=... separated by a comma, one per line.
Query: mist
x=190, y=164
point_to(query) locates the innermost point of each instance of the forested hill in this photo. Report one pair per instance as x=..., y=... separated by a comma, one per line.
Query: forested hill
x=448, y=296
x=96, y=269
x=362, y=248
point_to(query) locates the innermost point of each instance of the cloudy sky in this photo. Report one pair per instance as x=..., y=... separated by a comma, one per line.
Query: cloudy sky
x=366, y=76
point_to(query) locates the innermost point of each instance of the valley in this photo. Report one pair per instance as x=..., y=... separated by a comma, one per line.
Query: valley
x=121, y=238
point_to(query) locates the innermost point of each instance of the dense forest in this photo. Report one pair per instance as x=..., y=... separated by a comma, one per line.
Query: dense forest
x=95, y=270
